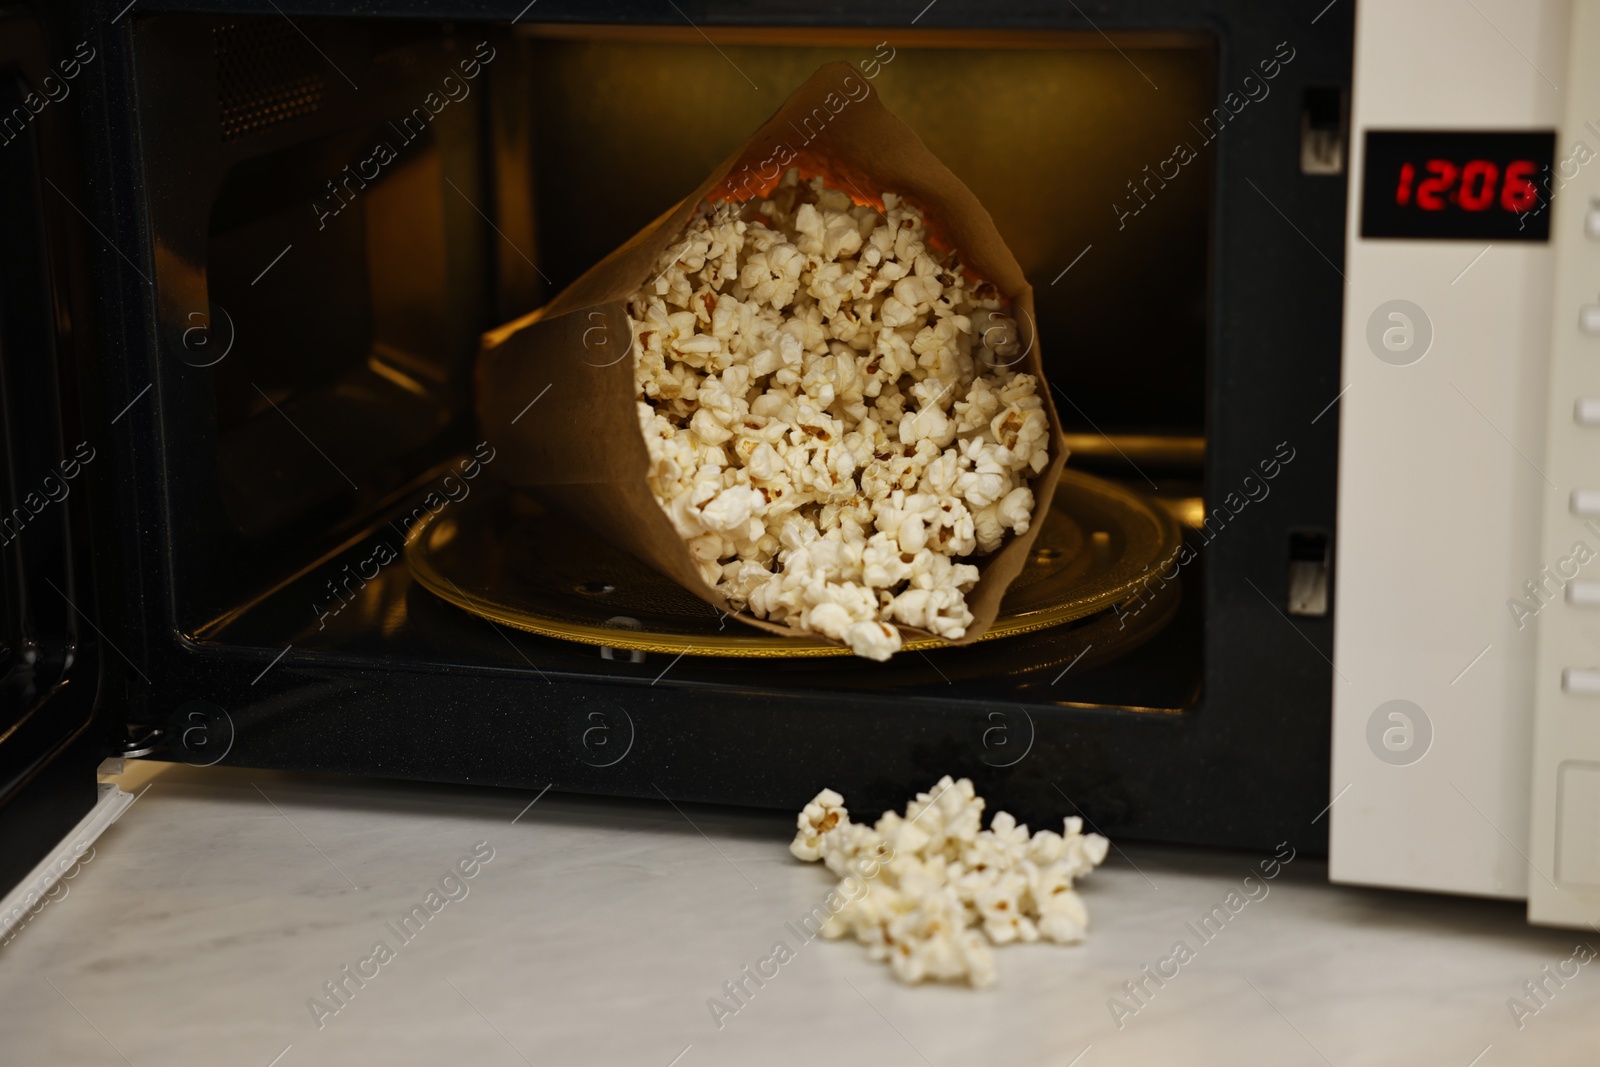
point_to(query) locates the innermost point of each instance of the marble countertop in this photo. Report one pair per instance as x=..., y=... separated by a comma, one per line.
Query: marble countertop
x=594, y=932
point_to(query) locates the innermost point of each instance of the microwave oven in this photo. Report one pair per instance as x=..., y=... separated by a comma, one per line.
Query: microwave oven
x=1311, y=278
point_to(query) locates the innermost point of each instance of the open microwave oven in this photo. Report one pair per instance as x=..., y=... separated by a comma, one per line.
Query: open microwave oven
x=1312, y=279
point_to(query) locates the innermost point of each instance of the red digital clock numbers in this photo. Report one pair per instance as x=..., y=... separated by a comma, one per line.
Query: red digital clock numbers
x=1458, y=185
x=1476, y=185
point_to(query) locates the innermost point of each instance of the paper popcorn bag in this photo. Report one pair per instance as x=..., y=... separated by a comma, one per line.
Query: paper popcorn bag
x=556, y=388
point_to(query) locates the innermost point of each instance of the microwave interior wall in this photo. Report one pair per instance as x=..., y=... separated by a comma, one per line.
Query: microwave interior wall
x=328, y=256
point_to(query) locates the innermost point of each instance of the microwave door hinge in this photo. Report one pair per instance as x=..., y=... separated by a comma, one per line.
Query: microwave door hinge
x=142, y=739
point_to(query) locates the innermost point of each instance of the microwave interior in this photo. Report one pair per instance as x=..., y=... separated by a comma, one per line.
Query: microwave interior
x=337, y=225
x=350, y=375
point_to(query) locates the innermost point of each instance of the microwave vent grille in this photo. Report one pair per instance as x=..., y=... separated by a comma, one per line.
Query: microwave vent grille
x=266, y=74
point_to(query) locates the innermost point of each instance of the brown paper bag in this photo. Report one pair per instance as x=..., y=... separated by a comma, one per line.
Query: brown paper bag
x=580, y=446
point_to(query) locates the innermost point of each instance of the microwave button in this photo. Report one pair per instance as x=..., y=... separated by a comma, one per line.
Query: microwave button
x=1589, y=319
x=1584, y=593
x=1591, y=223
x=1585, y=503
x=1586, y=412
x=1581, y=681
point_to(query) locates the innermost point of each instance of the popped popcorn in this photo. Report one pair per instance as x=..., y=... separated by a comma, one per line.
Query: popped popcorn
x=830, y=413
x=930, y=891
x=824, y=812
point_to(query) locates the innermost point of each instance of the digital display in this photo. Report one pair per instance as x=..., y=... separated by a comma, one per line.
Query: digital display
x=1457, y=185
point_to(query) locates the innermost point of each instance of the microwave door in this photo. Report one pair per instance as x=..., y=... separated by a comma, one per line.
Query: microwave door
x=55, y=666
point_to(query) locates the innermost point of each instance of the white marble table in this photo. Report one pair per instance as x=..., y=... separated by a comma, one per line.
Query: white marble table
x=223, y=901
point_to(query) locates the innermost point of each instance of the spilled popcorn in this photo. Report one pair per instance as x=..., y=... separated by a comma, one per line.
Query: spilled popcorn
x=830, y=421
x=929, y=892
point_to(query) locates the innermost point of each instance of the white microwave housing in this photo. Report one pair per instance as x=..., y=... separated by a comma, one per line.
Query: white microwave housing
x=1466, y=707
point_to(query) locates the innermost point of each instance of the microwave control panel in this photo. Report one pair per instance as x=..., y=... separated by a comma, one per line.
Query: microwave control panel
x=1443, y=412
x=1564, y=844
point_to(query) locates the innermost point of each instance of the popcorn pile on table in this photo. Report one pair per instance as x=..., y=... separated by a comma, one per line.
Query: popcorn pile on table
x=831, y=422
x=929, y=891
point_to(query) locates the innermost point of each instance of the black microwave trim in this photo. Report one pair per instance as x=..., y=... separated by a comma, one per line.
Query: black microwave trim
x=62, y=696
